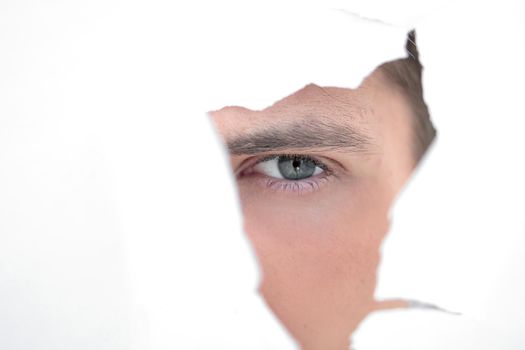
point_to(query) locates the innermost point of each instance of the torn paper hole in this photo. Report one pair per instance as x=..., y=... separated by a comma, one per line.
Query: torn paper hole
x=317, y=172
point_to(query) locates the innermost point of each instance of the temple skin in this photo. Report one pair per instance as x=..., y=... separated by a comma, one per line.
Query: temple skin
x=318, y=240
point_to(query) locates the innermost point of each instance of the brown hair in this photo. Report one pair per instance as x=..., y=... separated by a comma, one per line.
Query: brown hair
x=405, y=74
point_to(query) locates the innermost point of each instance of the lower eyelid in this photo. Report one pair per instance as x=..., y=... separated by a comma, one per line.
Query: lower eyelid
x=298, y=187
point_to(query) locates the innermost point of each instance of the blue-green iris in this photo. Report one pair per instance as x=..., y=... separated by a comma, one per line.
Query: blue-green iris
x=295, y=167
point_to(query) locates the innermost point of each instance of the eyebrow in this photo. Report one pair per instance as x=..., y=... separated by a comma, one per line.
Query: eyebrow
x=318, y=135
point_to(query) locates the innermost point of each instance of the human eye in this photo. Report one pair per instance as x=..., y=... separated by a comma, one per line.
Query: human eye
x=288, y=173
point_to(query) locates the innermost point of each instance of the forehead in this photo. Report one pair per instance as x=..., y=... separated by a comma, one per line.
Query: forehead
x=323, y=102
x=365, y=107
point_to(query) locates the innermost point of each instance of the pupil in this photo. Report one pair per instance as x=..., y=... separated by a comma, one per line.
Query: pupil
x=296, y=168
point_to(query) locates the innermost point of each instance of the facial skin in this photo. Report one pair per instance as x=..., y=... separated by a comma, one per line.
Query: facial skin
x=318, y=238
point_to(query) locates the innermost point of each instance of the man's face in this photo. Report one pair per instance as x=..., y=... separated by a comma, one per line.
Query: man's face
x=317, y=173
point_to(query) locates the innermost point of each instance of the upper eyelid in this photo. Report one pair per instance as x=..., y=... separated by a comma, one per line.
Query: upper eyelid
x=273, y=156
x=319, y=160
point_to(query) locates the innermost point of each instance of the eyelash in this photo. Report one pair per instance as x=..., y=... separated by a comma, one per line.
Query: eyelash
x=304, y=186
